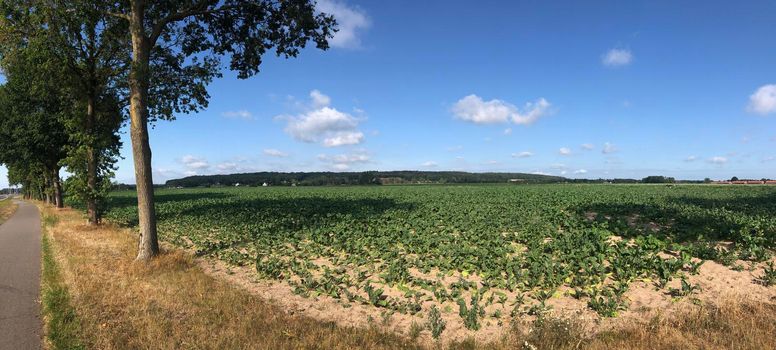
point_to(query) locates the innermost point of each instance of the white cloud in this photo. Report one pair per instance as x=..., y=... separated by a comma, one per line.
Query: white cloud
x=617, y=58
x=508, y=131
x=763, y=101
x=241, y=114
x=718, y=160
x=324, y=124
x=194, y=163
x=540, y=173
x=350, y=21
x=227, y=166
x=473, y=109
x=564, y=151
x=524, y=154
x=580, y=171
x=319, y=99
x=492, y=162
x=430, y=164
x=769, y=159
x=275, y=153
x=344, y=138
x=344, y=161
x=691, y=159
x=455, y=148
x=609, y=148
x=563, y=172
x=587, y=146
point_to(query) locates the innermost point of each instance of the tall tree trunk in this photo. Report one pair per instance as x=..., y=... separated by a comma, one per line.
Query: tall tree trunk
x=148, y=246
x=47, y=187
x=91, y=163
x=57, y=188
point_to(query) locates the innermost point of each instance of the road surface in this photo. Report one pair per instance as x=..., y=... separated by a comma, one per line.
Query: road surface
x=20, y=324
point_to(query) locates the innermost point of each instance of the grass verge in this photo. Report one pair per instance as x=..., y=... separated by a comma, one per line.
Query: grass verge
x=62, y=329
x=170, y=303
x=7, y=208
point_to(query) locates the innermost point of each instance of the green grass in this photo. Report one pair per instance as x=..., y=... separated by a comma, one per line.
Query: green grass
x=62, y=327
x=521, y=243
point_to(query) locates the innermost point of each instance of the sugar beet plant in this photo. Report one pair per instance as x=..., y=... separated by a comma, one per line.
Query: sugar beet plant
x=504, y=249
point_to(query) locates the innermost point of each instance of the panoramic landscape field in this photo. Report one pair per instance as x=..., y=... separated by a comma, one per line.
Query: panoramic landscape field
x=469, y=260
x=344, y=174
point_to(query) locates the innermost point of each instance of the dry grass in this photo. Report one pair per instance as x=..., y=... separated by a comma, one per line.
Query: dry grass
x=171, y=303
x=7, y=208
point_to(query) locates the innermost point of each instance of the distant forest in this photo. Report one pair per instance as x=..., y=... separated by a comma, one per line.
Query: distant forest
x=358, y=178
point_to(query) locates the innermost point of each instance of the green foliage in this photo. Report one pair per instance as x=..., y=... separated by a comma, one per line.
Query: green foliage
x=768, y=277
x=471, y=315
x=435, y=322
x=685, y=289
x=400, y=247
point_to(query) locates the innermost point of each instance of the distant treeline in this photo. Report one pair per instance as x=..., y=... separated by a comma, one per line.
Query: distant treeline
x=389, y=178
x=358, y=178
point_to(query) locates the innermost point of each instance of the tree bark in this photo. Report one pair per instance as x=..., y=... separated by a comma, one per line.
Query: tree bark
x=57, y=189
x=91, y=163
x=47, y=188
x=148, y=246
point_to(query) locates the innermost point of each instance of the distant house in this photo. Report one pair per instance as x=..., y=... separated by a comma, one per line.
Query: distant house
x=264, y=184
x=512, y=181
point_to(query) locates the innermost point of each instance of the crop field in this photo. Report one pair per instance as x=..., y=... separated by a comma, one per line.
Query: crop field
x=475, y=255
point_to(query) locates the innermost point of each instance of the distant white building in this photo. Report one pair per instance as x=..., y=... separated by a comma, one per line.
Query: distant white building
x=265, y=184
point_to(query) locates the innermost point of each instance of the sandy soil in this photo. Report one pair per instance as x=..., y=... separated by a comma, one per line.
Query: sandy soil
x=644, y=301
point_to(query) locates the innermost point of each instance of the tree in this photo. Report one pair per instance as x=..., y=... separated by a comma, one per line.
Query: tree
x=32, y=108
x=190, y=37
x=734, y=178
x=91, y=49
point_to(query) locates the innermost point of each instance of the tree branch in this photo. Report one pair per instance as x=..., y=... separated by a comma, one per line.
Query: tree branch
x=118, y=15
x=197, y=9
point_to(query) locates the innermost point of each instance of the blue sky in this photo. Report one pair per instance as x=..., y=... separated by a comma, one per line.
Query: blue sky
x=592, y=89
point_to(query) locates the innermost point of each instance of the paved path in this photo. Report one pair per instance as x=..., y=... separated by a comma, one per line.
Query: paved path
x=20, y=324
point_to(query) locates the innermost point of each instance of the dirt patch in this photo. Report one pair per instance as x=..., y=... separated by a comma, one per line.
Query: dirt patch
x=645, y=300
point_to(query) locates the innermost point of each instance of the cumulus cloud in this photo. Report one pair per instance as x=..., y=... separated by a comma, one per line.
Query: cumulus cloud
x=319, y=99
x=617, y=58
x=344, y=161
x=580, y=171
x=274, y=153
x=524, y=154
x=587, y=146
x=350, y=22
x=609, y=148
x=430, y=164
x=474, y=109
x=241, y=114
x=324, y=124
x=763, y=101
x=227, y=166
x=565, y=151
x=718, y=160
x=193, y=163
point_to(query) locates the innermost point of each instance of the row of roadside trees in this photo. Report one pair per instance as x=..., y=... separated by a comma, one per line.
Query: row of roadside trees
x=77, y=70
